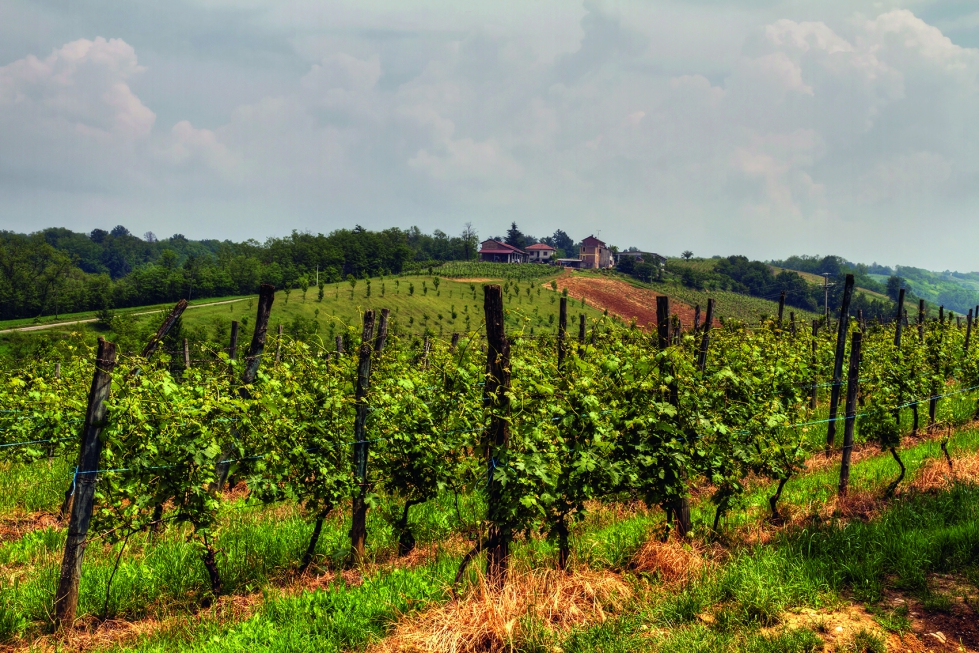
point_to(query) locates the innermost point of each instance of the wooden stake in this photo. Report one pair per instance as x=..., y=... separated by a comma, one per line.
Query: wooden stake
x=496, y=395
x=186, y=354
x=696, y=318
x=455, y=343
x=168, y=323
x=663, y=334
x=968, y=330
x=921, y=320
x=781, y=308
x=66, y=597
x=358, y=528
x=812, y=394
x=562, y=331
x=705, y=339
x=853, y=380
x=841, y=333
x=233, y=347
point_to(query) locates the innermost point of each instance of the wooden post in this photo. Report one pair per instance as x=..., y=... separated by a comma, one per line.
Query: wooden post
x=66, y=597
x=266, y=296
x=562, y=330
x=696, y=318
x=792, y=323
x=705, y=339
x=812, y=394
x=186, y=355
x=781, y=308
x=498, y=435
x=941, y=314
x=921, y=320
x=455, y=343
x=358, y=529
x=382, y=332
x=968, y=330
x=581, y=335
x=663, y=338
x=860, y=323
x=853, y=379
x=168, y=323
x=57, y=370
x=426, y=348
x=278, y=345
x=339, y=345
x=899, y=328
x=233, y=347
x=842, y=330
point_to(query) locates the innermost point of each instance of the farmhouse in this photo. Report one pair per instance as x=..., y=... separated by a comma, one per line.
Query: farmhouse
x=540, y=253
x=493, y=251
x=594, y=254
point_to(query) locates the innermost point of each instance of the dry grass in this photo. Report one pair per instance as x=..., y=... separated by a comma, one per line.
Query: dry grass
x=673, y=561
x=935, y=474
x=489, y=620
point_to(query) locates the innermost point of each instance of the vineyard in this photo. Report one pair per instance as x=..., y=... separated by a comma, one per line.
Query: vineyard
x=176, y=485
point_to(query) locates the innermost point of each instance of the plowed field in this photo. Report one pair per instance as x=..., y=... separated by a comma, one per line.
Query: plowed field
x=622, y=299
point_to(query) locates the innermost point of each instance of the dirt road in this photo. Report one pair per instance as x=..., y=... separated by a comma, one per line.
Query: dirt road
x=39, y=327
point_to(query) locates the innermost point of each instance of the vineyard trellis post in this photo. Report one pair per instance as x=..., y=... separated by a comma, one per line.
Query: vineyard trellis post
x=705, y=338
x=792, y=323
x=898, y=332
x=233, y=347
x=454, y=343
x=581, y=335
x=841, y=333
x=853, y=380
x=186, y=354
x=921, y=320
x=266, y=295
x=678, y=507
x=696, y=318
x=815, y=378
x=496, y=396
x=66, y=597
x=339, y=347
x=164, y=329
x=358, y=528
x=968, y=331
x=562, y=329
x=781, y=308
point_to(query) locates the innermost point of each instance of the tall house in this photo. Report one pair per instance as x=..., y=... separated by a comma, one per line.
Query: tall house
x=594, y=254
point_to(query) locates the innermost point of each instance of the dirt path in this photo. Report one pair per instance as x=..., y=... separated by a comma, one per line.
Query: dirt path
x=621, y=298
x=39, y=327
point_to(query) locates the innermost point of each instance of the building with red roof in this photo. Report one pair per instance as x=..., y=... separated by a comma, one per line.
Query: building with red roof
x=493, y=251
x=540, y=253
x=595, y=254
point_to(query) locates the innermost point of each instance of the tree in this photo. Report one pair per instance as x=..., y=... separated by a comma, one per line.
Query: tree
x=304, y=285
x=150, y=237
x=562, y=242
x=119, y=231
x=514, y=237
x=894, y=285
x=352, y=280
x=687, y=255
x=469, y=241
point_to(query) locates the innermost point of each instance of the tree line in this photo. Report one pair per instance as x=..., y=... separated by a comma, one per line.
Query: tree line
x=57, y=271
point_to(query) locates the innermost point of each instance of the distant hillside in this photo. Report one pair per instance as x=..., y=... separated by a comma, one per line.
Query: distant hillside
x=956, y=291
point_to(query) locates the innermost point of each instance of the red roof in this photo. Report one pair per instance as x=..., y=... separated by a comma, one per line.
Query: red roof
x=541, y=246
x=591, y=241
x=496, y=247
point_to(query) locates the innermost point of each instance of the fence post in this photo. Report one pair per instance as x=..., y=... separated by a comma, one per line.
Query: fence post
x=562, y=330
x=921, y=320
x=358, y=529
x=968, y=330
x=454, y=344
x=186, y=354
x=705, y=339
x=662, y=322
x=677, y=507
x=792, y=323
x=233, y=347
x=339, y=345
x=842, y=327
x=781, y=308
x=696, y=318
x=168, y=323
x=498, y=435
x=853, y=379
x=812, y=394
x=66, y=598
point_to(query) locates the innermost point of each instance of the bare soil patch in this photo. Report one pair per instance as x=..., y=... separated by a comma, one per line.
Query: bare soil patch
x=621, y=299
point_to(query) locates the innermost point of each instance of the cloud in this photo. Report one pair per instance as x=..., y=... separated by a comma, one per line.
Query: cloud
x=749, y=130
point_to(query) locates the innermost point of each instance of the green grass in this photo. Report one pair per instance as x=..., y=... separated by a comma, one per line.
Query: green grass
x=456, y=307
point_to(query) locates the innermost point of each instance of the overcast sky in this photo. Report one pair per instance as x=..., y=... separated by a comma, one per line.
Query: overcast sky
x=754, y=127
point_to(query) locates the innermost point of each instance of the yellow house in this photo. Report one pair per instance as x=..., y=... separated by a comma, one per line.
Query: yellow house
x=594, y=254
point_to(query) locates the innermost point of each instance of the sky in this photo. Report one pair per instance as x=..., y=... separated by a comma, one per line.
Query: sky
x=748, y=127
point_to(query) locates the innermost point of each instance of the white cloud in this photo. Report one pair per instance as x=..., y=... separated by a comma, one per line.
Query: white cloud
x=754, y=130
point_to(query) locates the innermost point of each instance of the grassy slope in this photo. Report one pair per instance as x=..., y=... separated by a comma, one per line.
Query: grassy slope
x=340, y=308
